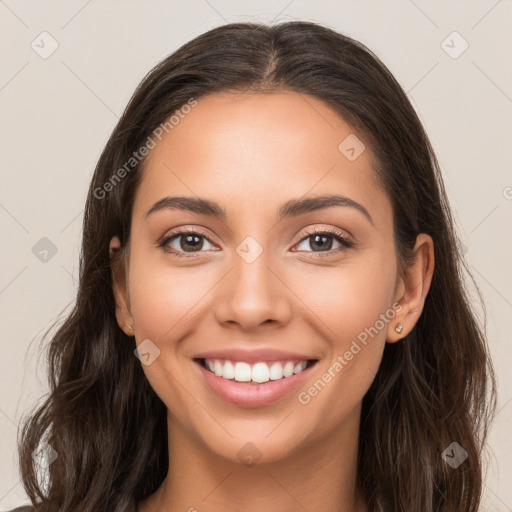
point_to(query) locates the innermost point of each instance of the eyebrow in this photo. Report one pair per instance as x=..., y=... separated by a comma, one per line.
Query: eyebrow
x=292, y=208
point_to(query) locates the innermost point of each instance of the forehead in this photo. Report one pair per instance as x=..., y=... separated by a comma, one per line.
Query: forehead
x=260, y=147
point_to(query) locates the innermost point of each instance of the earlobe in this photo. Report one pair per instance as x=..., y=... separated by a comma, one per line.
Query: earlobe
x=119, y=287
x=413, y=289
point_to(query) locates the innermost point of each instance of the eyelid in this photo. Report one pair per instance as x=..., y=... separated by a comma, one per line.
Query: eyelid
x=180, y=231
x=331, y=231
x=183, y=230
x=336, y=233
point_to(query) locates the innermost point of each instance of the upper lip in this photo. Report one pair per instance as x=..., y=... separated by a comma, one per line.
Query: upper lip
x=253, y=355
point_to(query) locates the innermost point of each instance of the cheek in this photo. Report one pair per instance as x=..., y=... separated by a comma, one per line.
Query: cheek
x=349, y=299
x=166, y=305
x=165, y=298
x=351, y=306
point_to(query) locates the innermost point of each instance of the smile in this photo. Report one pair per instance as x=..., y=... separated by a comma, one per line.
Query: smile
x=255, y=384
x=257, y=373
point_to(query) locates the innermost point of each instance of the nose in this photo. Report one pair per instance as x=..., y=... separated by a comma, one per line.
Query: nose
x=252, y=295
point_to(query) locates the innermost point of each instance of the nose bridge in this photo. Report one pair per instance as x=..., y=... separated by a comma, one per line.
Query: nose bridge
x=252, y=294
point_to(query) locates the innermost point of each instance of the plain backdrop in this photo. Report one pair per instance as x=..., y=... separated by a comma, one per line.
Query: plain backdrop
x=69, y=68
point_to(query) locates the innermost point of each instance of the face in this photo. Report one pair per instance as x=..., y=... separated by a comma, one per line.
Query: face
x=261, y=283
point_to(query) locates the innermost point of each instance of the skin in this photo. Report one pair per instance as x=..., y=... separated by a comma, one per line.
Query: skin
x=251, y=153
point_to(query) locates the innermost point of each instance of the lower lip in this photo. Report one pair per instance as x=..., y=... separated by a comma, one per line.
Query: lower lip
x=248, y=395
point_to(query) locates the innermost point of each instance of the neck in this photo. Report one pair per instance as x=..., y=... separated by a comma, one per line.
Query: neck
x=319, y=477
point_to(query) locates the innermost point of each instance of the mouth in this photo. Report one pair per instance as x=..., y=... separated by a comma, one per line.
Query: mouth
x=255, y=373
x=254, y=384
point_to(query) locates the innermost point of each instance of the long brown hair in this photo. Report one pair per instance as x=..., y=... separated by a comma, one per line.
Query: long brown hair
x=433, y=388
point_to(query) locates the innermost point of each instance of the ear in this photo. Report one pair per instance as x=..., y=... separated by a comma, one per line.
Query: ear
x=120, y=289
x=412, y=289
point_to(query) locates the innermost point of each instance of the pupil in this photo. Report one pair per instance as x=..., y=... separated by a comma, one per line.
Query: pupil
x=321, y=245
x=193, y=241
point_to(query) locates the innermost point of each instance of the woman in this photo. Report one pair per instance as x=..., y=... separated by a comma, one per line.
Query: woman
x=271, y=314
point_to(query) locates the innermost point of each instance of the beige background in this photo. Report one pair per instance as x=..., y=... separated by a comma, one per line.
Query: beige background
x=57, y=113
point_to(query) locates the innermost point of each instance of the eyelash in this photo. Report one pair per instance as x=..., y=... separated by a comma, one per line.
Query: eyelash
x=333, y=233
x=330, y=232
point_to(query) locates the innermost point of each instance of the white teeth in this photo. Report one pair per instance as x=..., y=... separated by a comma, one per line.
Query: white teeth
x=258, y=372
x=299, y=367
x=217, y=368
x=276, y=371
x=228, y=372
x=288, y=369
x=242, y=372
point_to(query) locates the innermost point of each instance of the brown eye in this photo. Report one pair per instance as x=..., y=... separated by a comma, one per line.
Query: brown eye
x=190, y=243
x=186, y=242
x=323, y=241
